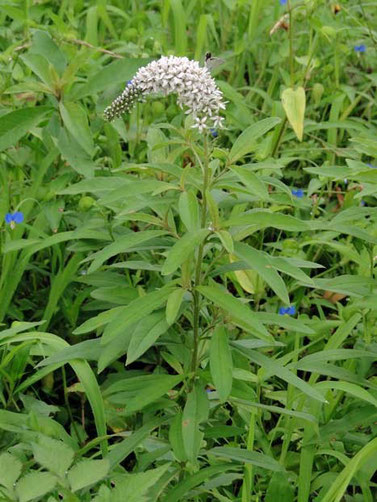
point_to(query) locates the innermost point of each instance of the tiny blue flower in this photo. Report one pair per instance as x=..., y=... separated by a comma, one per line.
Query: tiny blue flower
x=213, y=132
x=129, y=82
x=298, y=193
x=283, y=2
x=12, y=219
x=372, y=166
x=287, y=310
x=363, y=203
x=360, y=48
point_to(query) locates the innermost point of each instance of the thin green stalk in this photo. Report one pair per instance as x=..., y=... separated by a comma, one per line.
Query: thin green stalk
x=198, y=267
x=67, y=405
x=248, y=481
x=291, y=53
x=280, y=137
x=290, y=396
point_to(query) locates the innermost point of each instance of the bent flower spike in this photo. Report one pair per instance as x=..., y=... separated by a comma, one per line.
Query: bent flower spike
x=194, y=85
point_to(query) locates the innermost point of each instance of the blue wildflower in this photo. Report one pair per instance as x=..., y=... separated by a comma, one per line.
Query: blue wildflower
x=283, y=2
x=298, y=193
x=372, y=166
x=363, y=203
x=287, y=310
x=360, y=48
x=129, y=82
x=213, y=132
x=12, y=219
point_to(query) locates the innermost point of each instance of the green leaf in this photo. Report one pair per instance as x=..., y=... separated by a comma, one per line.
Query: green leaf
x=76, y=157
x=173, y=305
x=259, y=262
x=332, y=355
x=221, y=363
x=157, y=149
x=98, y=185
x=87, y=472
x=293, y=101
x=279, y=489
x=339, y=486
x=40, y=66
x=176, y=438
x=136, y=487
x=137, y=392
x=43, y=44
x=246, y=141
x=240, y=313
x=226, y=240
x=188, y=483
x=189, y=210
x=147, y=331
x=350, y=388
x=252, y=182
x=76, y=122
x=133, y=312
x=14, y=125
x=274, y=367
x=182, y=250
x=53, y=455
x=276, y=409
x=34, y=485
x=18, y=327
x=195, y=411
x=84, y=374
x=180, y=30
x=264, y=218
x=10, y=470
x=247, y=457
x=121, y=245
x=117, y=72
x=282, y=264
x=121, y=450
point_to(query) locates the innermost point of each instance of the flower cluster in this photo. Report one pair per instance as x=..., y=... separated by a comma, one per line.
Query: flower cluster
x=193, y=84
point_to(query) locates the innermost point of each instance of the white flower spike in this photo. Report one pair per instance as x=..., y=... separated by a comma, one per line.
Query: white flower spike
x=194, y=85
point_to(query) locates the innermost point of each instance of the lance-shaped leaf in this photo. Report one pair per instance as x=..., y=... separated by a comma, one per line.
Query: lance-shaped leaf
x=240, y=313
x=182, y=249
x=195, y=411
x=259, y=262
x=221, y=363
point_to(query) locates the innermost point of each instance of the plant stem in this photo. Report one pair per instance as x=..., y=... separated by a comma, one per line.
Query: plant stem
x=247, y=485
x=198, y=267
x=279, y=138
x=291, y=54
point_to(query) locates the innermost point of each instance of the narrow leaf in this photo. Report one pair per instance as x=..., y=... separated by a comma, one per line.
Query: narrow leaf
x=221, y=363
x=182, y=250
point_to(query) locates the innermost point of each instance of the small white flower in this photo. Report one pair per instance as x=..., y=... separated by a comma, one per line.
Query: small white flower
x=200, y=124
x=194, y=86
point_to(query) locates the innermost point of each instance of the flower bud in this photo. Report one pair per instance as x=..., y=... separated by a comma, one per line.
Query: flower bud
x=85, y=203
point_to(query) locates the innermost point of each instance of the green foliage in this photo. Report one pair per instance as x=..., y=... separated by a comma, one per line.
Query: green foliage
x=188, y=316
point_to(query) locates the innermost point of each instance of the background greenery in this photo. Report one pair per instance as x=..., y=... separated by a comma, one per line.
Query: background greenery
x=122, y=380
